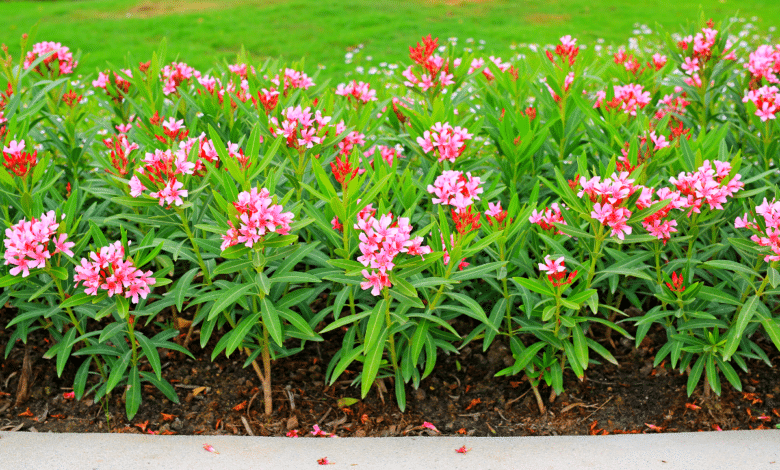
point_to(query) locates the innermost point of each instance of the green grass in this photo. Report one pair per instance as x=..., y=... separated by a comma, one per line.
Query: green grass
x=203, y=32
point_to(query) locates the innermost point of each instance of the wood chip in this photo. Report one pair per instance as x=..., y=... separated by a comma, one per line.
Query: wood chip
x=246, y=426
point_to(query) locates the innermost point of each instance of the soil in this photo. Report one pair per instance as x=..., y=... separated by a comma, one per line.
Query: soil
x=461, y=397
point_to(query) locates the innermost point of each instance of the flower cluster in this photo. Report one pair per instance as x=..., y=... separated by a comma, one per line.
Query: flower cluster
x=556, y=271
x=608, y=196
x=27, y=243
x=706, y=186
x=767, y=233
x=17, y=161
x=634, y=66
x=701, y=53
x=120, y=85
x=174, y=74
x=163, y=168
x=479, y=62
x=495, y=214
x=566, y=51
x=360, y=91
x=107, y=270
x=452, y=188
x=292, y=79
x=381, y=240
x=120, y=147
x=766, y=100
x=54, y=53
x=548, y=218
x=388, y=154
x=677, y=283
x=258, y=216
x=628, y=98
x=448, y=142
x=298, y=127
x=764, y=63
x=436, y=70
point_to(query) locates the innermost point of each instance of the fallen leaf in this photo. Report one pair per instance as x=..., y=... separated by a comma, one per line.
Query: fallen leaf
x=462, y=450
x=142, y=426
x=210, y=448
x=196, y=391
x=167, y=417
x=26, y=413
x=324, y=461
x=346, y=401
x=474, y=403
x=654, y=427
x=240, y=406
x=58, y=416
x=716, y=427
x=462, y=431
x=691, y=406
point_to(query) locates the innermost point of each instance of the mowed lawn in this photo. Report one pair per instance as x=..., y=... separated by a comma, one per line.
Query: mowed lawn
x=203, y=32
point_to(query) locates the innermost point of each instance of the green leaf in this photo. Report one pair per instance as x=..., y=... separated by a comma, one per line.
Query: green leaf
x=372, y=362
x=712, y=375
x=476, y=272
x=231, y=266
x=63, y=354
x=9, y=280
x=601, y=351
x=298, y=322
x=240, y=331
x=294, y=277
x=476, y=310
x=77, y=300
x=711, y=294
x=580, y=346
x=80, y=381
x=695, y=374
x=774, y=277
x=162, y=385
x=227, y=298
x=182, y=287
x=271, y=320
x=150, y=351
x=534, y=286
x=118, y=370
x=133, y=396
x=732, y=266
x=738, y=328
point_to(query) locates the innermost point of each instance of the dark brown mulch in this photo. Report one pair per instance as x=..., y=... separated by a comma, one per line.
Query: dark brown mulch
x=460, y=397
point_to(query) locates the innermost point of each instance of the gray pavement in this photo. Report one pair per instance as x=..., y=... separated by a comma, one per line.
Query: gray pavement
x=708, y=450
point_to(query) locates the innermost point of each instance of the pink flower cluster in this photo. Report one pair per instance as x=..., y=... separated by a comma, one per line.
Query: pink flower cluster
x=436, y=70
x=381, y=240
x=767, y=101
x=452, y=188
x=566, y=51
x=163, y=168
x=388, y=154
x=764, y=62
x=556, y=271
x=109, y=271
x=479, y=62
x=701, y=53
x=449, y=142
x=607, y=196
x=706, y=186
x=258, y=216
x=628, y=98
x=360, y=91
x=174, y=74
x=292, y=79
x=27, y=243
x=769, y=235
x=548, y=218
x=298, y=127
x=54, y=52
x=17, y=161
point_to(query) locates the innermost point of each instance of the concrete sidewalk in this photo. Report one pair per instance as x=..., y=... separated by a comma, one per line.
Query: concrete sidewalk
x=710, y=450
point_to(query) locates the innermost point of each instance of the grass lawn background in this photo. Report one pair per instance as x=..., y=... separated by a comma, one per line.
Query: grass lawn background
x=206, y=31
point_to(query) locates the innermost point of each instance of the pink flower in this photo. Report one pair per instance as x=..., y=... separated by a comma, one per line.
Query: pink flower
x=376, y=281
x=110, y=272
x=551, y=266
x=430, y=426
x=316, y=431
